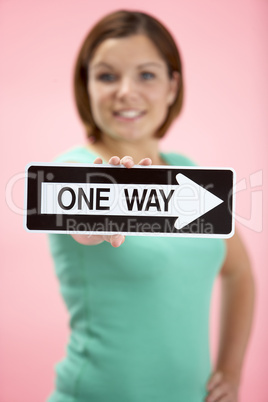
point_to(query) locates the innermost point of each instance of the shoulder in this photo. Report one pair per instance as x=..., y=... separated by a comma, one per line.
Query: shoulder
x=176, y=159
x=76, y=154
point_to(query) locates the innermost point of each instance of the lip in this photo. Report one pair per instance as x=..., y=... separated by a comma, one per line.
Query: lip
x=125, y=118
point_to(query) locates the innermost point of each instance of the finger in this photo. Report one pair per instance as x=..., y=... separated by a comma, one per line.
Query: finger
x=98, y=160
x=114, y=160
x=218, y=392
x=87, y=239
x=127, y=161
x=145, y=162
x=214, y=380
x=115, y=240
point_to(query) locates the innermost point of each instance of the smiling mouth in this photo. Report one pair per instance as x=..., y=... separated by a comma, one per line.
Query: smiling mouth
x=128, y=114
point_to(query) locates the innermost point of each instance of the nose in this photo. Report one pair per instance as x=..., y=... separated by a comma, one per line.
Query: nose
x=126, y=88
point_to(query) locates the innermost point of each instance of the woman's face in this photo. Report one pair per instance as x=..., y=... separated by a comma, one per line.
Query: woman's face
x=129, y=88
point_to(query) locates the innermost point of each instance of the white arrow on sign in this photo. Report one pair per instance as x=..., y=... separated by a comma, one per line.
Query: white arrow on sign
x=206, y=201
x=187, y=201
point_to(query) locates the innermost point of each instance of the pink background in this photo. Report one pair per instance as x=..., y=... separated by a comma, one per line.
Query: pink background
x=224, y=123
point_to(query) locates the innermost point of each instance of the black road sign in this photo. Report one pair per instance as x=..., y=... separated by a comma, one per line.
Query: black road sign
x=151, y=200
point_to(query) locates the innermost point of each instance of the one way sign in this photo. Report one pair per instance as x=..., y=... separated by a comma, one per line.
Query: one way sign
x=151, y=200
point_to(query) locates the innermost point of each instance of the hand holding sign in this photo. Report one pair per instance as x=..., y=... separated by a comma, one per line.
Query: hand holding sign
x=117, y=239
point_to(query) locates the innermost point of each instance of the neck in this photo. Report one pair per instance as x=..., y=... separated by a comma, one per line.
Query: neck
x=142, y=148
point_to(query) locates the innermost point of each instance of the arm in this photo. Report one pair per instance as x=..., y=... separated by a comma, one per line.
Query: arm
x=237, y=291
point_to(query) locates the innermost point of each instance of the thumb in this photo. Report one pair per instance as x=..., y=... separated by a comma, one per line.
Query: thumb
x=115, y=240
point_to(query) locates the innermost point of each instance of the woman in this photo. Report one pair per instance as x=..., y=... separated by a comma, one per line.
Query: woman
x=139, y=313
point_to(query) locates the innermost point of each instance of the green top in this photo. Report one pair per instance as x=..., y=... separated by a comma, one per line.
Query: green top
x=139, y=314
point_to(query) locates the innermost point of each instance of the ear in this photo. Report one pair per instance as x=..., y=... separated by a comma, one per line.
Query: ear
x=175, y=83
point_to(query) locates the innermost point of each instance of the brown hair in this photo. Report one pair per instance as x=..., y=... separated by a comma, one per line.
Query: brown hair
x=121, y=24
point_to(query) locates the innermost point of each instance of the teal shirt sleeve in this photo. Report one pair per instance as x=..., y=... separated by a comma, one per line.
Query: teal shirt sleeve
x=175, y=159
x=76, y=154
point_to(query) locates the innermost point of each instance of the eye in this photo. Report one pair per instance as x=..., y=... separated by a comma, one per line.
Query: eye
x=106, y=77
x=147, y=76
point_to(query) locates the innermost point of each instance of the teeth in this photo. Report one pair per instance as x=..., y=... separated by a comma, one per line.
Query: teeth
x=129, y=113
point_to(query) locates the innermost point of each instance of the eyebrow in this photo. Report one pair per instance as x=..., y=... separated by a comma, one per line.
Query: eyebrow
x=103, y=64
x=150, y=63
